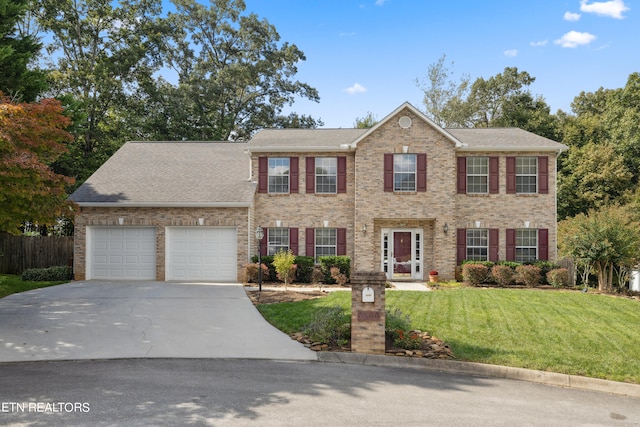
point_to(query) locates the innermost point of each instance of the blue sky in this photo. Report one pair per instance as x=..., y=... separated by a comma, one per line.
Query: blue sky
x=365, y=55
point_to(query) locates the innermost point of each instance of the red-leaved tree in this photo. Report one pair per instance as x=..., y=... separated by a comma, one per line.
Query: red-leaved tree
x=32, y=136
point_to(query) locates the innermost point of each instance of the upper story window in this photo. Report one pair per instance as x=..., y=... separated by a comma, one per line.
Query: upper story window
x=526, y=174
x=278, y=240
x=279, y=175
x=477, y=244
x=478, y=175
x=404, y=172
x=526, y=245
x=326, y=175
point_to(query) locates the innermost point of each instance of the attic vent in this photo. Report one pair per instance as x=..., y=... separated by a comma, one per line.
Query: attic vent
x=404, y=122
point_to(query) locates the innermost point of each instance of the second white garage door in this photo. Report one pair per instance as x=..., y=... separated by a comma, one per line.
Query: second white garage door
x=201, y=254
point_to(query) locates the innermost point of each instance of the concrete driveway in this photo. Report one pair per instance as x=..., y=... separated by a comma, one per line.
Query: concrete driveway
x=112, y=320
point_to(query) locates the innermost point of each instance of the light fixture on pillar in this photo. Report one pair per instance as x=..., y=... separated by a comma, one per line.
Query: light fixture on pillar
x=120, y=221
x=259, y=236
x=445, y=228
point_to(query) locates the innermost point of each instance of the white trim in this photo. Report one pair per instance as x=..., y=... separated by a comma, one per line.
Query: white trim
x=166, y=204
x=417, y=265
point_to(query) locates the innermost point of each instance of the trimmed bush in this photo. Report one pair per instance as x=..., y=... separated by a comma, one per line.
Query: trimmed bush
x=529, y=275
x=558, y=278
x=268, y=261
x=475, y=274
x=502, y=274
x=51, y=274
x=342, y=262
x=251, y=272
x=305, y=269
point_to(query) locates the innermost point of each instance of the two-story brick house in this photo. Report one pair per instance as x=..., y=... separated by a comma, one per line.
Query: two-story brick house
x=404, y=197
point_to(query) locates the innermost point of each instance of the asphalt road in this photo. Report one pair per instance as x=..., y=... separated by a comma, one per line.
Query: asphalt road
x=274, y=393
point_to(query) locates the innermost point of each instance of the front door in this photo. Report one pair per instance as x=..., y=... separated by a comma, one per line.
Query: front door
x=401, y=251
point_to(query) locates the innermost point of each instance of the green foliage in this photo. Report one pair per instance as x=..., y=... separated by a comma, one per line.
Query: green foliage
x=12, y=284
x=558, y=278
x=603, y=239
x=51, y=274
x=502, y=274
x=283, y=262
x=252, y=273
x=475, y=274
x=342, y=262
x=366, y=122
x=530, y=275
x=330, y=325
x=398, y=327
x=305, y=268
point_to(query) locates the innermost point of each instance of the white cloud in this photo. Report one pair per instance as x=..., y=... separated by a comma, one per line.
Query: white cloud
x=511, y=52
x=570, y=16
x=611, y=8
x=539, y=43
x=380, y=2
x=355, y=89
x=575, y=39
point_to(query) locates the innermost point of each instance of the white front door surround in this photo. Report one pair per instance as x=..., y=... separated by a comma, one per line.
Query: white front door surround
x=402, y=251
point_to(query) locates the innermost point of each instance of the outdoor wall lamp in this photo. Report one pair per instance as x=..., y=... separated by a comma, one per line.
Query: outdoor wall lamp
x=445, y=228
x=259, y=236
x=364, y=228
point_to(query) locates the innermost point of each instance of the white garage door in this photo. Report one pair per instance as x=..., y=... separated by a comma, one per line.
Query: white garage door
x=121, y=253
x=201, y=253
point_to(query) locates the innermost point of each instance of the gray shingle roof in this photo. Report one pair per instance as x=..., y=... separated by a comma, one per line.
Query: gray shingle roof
x=504, y=139
x=172, y=173
x=297, y=139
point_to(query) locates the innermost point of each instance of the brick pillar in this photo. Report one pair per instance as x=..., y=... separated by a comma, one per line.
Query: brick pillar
x=368, y=318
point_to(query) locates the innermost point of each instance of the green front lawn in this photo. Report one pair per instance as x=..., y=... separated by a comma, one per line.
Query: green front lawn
x=568, y=332
x=11, y=284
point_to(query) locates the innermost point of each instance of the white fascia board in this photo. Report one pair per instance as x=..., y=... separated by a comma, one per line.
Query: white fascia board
x=300, y=149
x=165, y=204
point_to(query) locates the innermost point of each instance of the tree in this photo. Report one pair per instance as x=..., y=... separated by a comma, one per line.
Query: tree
x=366, y=122
x=442, y=97
x=32, y=136
x=234, y=76
x=17, y=52
x=102, y=49
x=603, y=239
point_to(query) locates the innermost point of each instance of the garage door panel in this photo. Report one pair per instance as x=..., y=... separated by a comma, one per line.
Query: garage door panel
x=122, y=253
x=201, y=253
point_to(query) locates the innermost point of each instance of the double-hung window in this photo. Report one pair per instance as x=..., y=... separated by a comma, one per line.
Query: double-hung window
x=279, y=172
x=526, y=175
x=477, y=244
x=326, y=175
x=326, y=242
x=278, y=240
x=478, y=175
x=526, y=245
x=404, y=172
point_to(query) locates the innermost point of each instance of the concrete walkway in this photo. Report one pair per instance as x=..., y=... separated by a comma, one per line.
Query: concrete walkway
x=111, y=320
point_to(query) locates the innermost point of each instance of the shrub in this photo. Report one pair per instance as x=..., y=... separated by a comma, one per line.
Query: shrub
x=51, y=274
x=398, y=327
x=502, y=274
x=558, y=278
x=529, y=275
x=342, y=262
x=268, y=261
x=305, y=268
x=488, y=264
x=475, y=274
x=251, y=272
x=330, y=325
x=339, y=277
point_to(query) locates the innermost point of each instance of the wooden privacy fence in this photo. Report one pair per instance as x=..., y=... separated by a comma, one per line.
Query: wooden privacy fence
x=18, y=253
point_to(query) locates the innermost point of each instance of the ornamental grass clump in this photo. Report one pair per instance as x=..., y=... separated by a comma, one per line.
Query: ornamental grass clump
x=529, y=275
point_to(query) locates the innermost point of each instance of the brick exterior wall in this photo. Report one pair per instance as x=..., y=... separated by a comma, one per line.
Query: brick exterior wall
x=161, y=218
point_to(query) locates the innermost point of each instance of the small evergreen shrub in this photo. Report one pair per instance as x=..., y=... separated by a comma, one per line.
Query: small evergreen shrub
x=51, y=274
x=502, y=274
x=342, y=262
x=330, y=325
x=475, y=274
x=558, y=278
x=529, y=275
x=305, y=269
